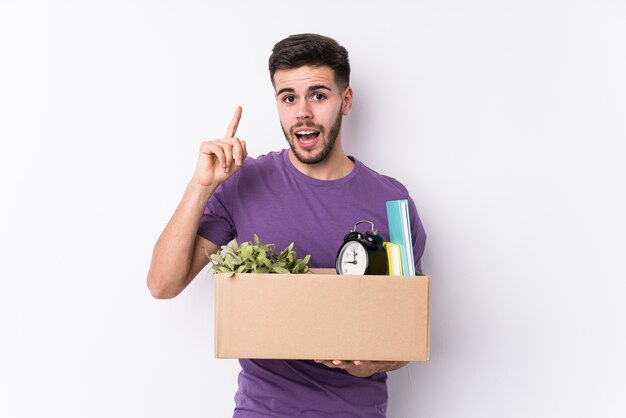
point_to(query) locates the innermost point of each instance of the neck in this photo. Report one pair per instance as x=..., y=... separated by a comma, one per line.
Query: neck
x=335, y=166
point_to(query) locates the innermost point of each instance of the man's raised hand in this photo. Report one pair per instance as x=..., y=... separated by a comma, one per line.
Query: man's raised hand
x=221, y=158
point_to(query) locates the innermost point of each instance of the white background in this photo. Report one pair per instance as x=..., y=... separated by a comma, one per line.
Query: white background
x=504, y=119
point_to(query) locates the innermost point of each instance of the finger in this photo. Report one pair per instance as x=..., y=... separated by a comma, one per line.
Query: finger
x=207, y=148
x=232, y=128
x=228, y=152
x=327, y=363
x=212, y=148
x=244, y=145
x=238, y=151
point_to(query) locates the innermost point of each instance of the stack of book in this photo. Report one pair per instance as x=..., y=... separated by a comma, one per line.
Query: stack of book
x=400, y=245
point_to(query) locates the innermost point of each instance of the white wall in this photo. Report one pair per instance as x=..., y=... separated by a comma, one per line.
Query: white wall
x=505, y=120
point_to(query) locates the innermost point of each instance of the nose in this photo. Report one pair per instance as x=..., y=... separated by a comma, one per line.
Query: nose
x=304, y=110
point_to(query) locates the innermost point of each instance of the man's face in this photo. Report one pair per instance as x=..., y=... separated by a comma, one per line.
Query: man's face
x=310, y=108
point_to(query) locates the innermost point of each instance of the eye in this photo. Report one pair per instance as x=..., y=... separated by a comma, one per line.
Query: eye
x=318, y=96
x=289, y=99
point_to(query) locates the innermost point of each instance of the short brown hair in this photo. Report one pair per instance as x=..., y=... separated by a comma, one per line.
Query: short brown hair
x=311, y=49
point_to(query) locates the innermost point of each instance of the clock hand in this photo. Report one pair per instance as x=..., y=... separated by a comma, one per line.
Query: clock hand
x=351, y=262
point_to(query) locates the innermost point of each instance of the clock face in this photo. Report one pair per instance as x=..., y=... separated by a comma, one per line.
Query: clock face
x=352, y=259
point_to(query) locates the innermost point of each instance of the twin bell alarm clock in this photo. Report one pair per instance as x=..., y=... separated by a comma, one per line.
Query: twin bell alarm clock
x=362, y=253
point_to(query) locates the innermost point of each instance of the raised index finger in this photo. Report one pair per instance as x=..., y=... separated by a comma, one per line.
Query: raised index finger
x=232, y=128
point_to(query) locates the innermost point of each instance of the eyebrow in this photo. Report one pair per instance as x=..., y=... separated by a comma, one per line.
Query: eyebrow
x=310, y=89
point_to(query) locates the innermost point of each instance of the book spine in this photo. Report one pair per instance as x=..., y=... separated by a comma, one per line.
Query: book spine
x=400, y=233
x=394, y=259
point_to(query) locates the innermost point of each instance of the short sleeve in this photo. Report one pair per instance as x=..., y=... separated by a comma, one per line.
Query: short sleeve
x=216, y=223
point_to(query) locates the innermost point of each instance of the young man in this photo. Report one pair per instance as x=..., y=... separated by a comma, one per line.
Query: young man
x=311, y=194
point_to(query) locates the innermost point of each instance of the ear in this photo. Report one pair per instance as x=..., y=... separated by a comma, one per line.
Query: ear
x=346, y=98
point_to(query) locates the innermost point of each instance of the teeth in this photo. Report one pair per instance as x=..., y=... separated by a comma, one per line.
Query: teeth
x=306, y=132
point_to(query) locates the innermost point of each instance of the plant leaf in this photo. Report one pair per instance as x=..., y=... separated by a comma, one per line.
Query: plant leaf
x=257, y=257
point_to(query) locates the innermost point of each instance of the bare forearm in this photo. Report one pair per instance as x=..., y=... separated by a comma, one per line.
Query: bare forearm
x=179, y=253
x=173, y=252
x=397, y=366
x=364, y=368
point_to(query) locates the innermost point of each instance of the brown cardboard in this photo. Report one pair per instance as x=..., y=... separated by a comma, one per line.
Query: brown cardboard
x=322, y=316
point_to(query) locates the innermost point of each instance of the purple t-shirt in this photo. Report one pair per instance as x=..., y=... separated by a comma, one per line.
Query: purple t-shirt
x=271, y=198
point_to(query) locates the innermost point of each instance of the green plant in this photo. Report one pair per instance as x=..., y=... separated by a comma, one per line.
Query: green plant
x=257, y=258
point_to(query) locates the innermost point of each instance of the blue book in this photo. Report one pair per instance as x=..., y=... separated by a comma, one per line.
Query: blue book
x=400, y=233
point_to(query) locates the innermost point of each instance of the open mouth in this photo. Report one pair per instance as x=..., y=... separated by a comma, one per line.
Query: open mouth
x=307, y=137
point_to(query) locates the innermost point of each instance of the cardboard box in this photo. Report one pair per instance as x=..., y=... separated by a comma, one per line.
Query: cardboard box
x=322, y=316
